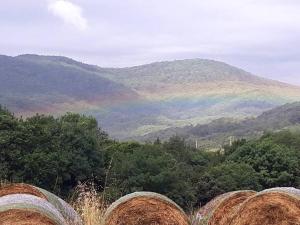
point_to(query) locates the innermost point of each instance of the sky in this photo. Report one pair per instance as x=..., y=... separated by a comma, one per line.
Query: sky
x=260, y=36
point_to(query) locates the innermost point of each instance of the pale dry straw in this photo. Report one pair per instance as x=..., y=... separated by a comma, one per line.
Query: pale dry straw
x=89, y=204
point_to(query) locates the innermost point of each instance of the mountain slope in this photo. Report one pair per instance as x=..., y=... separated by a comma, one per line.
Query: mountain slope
x=188, y=77
x=30, y=85
x=219, y=131
x=182, y=71
x=134, y=101
x=198, y=91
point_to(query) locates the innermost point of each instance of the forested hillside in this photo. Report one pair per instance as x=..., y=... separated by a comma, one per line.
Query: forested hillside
x=135, y=101
x=58, y=153
x=220, y=131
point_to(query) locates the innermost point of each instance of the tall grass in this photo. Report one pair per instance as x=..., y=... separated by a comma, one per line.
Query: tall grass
x=195, y=218
x=89, y=204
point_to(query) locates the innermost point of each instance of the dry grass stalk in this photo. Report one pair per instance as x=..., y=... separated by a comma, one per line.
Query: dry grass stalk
x=89, y=205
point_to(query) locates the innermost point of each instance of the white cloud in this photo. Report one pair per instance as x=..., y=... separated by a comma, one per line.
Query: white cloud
x=262, y=36
x=69, y=13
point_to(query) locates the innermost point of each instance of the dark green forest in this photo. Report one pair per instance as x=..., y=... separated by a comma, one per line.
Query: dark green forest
x=57, y=153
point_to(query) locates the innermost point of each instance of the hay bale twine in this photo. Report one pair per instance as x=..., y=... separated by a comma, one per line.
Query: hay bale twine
x=145, y=208
x=276, y=206
x=64, y=208
x=24, y=209
x=222, y=209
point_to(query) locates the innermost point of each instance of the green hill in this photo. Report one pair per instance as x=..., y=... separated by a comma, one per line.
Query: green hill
x=219, y=131
x=136, y=101
x=32, y=83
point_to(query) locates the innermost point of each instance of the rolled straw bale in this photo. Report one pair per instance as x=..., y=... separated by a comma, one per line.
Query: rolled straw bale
x=24, y=209
x=145, y=208
x=64, y=208
x=276, y=206
x=20, y=188
x=221, y=209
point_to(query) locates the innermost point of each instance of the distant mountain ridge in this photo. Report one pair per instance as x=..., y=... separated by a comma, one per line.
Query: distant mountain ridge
x=136, y=101
x=188, y=70
x=30, y=83
x=219, y=131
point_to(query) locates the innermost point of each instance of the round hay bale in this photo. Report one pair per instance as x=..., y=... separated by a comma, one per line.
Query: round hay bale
x=222, y=209
x=276, y=206
x=24, y=209
x=64, y=208
x=145, y=208
x=21, y=188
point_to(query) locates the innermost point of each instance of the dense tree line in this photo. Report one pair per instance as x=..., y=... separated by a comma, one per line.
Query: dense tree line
x=58, y=153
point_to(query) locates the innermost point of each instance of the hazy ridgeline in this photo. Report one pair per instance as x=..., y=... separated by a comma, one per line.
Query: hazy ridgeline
x=137, y=101
x=58, y=153
x=219, y=132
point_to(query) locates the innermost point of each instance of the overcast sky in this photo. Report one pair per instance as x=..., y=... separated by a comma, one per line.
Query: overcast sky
x=260, y=36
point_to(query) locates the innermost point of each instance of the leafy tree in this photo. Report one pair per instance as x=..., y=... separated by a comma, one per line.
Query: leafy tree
x=139, y=167
x=277, y=165
x=229, y=176
x=52, y=153
x=10, y=152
